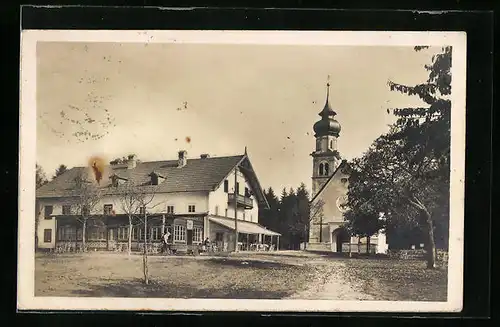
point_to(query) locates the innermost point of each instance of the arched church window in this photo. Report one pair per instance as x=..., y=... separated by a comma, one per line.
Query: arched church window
x=326, y=169
x=320, y=169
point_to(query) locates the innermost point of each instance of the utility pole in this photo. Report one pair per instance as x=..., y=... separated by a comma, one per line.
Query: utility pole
x=236, y=209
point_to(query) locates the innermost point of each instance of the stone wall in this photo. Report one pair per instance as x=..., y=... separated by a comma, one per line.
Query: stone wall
x=442, y=256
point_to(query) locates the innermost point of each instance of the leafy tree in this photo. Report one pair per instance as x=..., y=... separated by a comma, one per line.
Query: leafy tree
x=405, y=173
x=269, y=218
x=60, y=170
x=41, y=178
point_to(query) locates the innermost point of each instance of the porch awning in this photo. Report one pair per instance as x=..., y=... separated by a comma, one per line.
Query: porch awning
x=243, y=226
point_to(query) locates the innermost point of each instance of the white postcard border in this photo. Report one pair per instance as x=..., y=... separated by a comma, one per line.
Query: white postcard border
x=27, y=151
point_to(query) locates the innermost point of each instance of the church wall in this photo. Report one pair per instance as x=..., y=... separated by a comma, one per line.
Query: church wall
x=331, y=212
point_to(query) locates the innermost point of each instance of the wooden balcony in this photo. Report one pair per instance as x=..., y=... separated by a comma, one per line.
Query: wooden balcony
x=241, y=200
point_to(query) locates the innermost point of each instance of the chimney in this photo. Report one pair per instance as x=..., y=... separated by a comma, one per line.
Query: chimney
x=132, y=161
x=204, y=156
x=182, y=159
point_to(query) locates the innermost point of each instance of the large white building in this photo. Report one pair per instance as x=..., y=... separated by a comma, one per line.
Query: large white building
x=193, y=199
x=330, y=183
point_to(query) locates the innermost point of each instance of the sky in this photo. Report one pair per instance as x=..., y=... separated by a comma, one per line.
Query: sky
x=155, y=99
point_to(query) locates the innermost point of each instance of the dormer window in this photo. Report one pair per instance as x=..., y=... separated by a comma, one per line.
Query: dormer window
x=156, y=178
x=117, y=180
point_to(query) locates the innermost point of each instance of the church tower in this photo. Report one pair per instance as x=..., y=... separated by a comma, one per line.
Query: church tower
x=326, y=158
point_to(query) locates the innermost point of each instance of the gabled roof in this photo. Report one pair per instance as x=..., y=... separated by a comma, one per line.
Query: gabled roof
x=197, y=175
x=343, y=163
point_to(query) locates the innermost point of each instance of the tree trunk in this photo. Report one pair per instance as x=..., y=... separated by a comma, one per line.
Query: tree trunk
x=84, y=228
x=431, y=252
x=431, y=244
x=145, y=253
x=129, y=235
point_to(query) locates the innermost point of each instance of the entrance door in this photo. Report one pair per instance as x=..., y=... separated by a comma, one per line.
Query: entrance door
x=189, y=237
x=111, y=239
x=342, y=236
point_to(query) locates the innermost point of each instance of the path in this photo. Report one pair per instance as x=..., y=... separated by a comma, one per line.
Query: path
x=330, y=283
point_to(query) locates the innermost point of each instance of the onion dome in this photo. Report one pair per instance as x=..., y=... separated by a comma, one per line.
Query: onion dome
x=327, y=125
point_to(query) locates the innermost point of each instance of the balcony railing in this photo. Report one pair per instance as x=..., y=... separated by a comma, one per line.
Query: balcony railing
x=241, y=200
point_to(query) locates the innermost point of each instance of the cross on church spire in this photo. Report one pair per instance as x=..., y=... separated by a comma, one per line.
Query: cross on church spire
x=328, y=89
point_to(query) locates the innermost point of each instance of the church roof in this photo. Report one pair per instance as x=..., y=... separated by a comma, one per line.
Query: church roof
x=343, y=163
x=327, y=125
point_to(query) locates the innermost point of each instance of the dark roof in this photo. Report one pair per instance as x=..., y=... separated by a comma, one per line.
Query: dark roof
x=197, y=175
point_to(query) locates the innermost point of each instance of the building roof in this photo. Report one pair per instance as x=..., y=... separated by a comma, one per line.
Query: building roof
x=245, y=227
x=343, y=164
x=197, y=175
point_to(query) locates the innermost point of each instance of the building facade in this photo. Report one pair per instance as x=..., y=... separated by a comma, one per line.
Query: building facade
x=330, y=182
x=191, y=199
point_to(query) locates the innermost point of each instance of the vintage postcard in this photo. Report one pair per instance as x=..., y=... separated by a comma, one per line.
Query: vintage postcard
x=242, y=171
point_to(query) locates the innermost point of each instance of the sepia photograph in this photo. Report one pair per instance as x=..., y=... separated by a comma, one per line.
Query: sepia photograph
x=239, y=170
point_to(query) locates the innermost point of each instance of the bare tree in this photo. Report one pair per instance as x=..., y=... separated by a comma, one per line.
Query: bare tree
x=88, y=196
x=316, y=213
x=144, y=196
x=131, y=201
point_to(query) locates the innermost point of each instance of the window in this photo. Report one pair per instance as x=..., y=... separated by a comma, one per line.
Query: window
x=226, y=212
x=156, y=233
x=170, y=209
x=191, y=208
x=197, y=234
x=216, y=210
x=226, y=186
x=66, y=233
x=219, y=237
x=331, y=144
x=321, y=169
x=179, y=233
x=237, y=189
x=79, y=234
x=108, y=209
x=243, y=215
x=154, y=179
x=141, y=233
x=142, y=210
x=326, y=169
x=66, y=209
x=122, y=233
x=247, y=192
x=97, y=234
x=47, y=235
x=135, y=233
x=48, y=211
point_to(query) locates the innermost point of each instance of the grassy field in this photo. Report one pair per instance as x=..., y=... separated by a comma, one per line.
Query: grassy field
x=115, y=275
x=404, y=280
x=284, y=274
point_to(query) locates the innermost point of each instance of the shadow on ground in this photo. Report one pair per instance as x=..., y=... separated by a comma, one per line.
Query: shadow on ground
x=160, y=289
x=247, y=263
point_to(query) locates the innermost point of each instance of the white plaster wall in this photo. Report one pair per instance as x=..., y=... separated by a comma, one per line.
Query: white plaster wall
x=219, y=198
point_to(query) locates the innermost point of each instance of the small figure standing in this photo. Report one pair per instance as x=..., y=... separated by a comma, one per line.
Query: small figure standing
x=206, y=245
x=166, y=246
